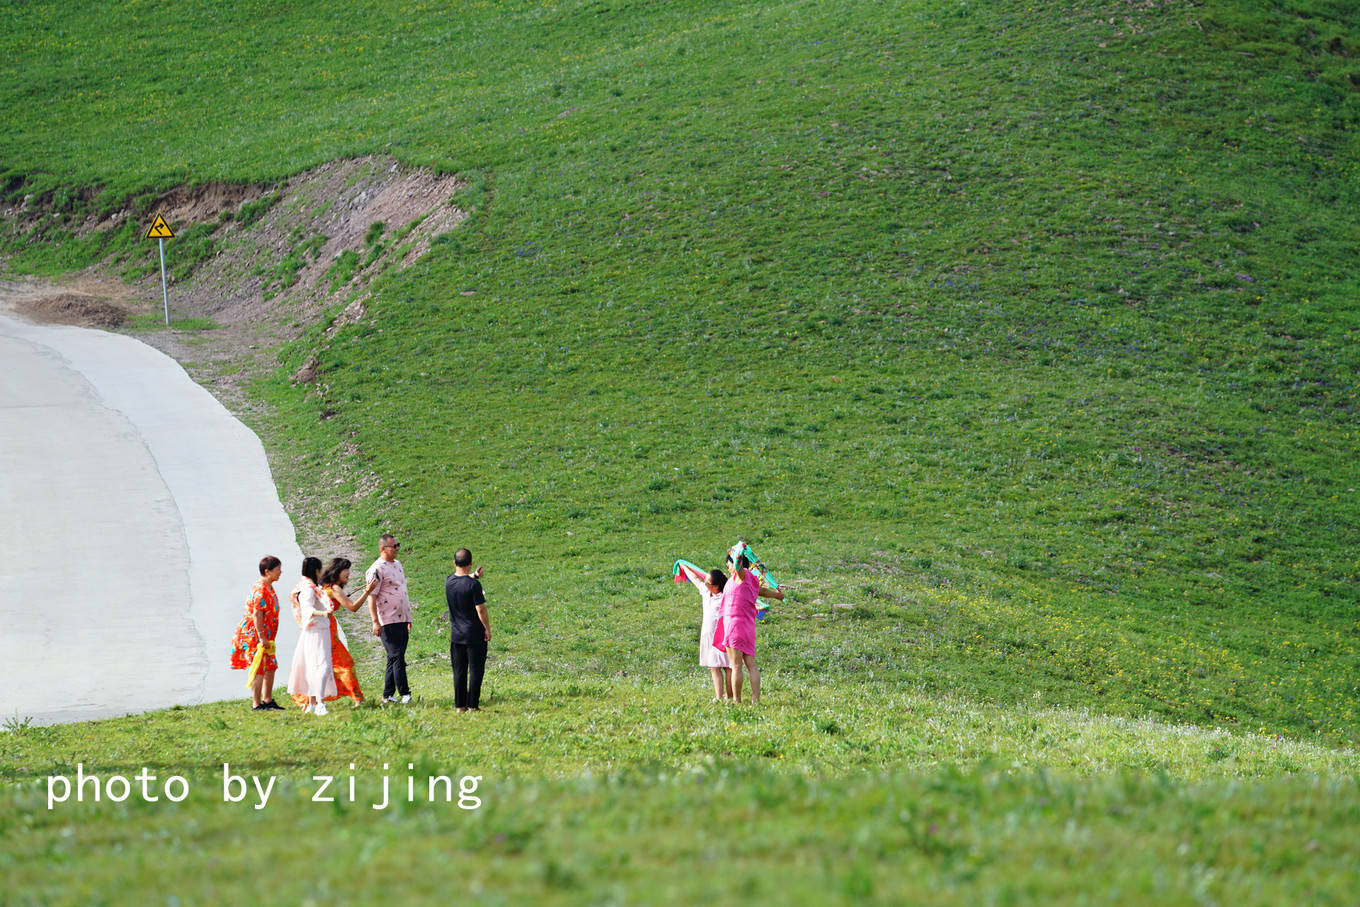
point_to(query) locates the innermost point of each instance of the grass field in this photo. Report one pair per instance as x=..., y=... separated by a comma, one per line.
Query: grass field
x=1020, y=340
x=629, y=791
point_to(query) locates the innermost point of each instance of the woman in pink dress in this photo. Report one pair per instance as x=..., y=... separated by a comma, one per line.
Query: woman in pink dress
x=739, y=623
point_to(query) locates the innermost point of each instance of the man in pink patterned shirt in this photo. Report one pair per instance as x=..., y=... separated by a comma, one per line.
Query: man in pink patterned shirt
x=390, y=608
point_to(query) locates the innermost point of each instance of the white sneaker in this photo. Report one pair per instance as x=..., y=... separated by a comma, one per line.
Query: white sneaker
x=320, y=709
x=388, y=700
x=406, y=698
x=307, y=709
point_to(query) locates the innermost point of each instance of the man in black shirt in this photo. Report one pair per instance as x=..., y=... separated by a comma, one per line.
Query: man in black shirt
x=469, y=631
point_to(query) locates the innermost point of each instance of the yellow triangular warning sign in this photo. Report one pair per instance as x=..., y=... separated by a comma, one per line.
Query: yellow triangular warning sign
x=160, y=230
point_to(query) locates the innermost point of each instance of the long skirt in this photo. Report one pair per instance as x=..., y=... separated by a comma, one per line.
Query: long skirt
x=342, y=666
x=311, y=674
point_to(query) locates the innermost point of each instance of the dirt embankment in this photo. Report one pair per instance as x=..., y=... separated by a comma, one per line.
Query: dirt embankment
x=87, y=300
x=272, y=261
x=278, y=255
x=371, y=210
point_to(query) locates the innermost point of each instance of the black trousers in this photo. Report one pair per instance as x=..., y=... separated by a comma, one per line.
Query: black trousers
x=469, y=664
x=394, y=640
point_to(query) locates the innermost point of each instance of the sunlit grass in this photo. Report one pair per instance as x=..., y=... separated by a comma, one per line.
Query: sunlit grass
x=1020, y=341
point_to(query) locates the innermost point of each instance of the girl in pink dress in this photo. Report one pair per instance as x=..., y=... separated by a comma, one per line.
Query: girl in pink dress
x=739, y=623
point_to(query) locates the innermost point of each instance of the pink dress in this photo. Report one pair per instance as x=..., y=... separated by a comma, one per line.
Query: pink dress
x=739, y=613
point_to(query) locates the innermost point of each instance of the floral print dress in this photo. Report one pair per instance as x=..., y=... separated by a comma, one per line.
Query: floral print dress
x=245, y=642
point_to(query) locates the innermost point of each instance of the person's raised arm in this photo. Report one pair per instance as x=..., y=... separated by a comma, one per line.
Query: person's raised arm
x=341, y=599
x=776, y=594
x=696, y=578
x=353, y=606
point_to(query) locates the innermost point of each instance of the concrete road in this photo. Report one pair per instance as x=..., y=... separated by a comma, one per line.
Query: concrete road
x=134, y=510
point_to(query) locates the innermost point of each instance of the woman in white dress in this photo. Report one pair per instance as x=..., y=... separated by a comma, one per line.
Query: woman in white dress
x=710, y=586
x=311, y=674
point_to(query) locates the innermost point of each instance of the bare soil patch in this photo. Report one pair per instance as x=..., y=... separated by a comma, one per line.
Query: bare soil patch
x=85, y=300
x=381, y=214
x=272, y=271
x=272, y=274
x=70, y=308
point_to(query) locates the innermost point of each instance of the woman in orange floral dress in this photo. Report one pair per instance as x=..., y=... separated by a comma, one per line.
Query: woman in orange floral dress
x=332, y=583
x=260, y=624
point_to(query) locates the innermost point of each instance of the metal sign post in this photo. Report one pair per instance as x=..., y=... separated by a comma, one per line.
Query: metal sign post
x=165, y=290
x=160, y=231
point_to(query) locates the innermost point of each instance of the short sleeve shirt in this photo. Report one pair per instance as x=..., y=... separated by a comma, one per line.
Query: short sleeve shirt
x=392, y=601
x=464, y=594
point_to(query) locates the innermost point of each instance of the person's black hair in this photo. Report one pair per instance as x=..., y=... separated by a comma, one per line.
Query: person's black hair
x=717, y=578
x=462, y=558
x=267, y=563
x=311, y=566
x=743, y=562
x=331, y=575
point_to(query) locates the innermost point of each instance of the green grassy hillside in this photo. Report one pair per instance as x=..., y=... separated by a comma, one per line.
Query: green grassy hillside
x=1024, y=332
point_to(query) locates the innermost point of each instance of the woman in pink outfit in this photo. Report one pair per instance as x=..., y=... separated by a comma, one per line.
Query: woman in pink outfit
x=739, y=624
